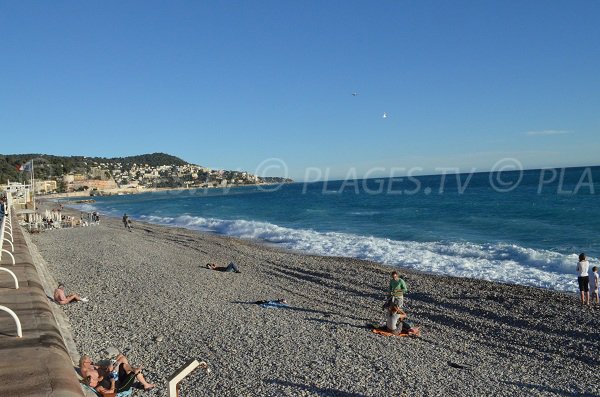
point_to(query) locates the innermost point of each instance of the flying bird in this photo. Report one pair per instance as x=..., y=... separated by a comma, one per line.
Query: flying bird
x=354, y=93
x=384, y=115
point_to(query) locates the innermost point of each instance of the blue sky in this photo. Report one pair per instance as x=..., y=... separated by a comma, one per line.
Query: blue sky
x=232, y=84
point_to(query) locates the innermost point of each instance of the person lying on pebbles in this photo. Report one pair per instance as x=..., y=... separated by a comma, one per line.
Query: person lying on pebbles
x=232, y=268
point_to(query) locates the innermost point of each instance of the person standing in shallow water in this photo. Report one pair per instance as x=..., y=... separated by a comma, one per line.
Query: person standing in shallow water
x=583, y=279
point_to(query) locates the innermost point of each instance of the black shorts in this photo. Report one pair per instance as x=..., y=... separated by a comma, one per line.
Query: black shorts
x=584, y=283
x=125, y=381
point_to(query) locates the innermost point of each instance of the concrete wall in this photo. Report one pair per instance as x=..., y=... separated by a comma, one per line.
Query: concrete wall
x=37, y=364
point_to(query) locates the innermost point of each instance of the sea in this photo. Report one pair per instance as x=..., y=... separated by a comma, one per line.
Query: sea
x=519, y=227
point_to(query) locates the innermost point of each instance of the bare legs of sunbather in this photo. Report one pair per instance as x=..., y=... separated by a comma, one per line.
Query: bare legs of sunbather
x=62, y=299
x=121, y=359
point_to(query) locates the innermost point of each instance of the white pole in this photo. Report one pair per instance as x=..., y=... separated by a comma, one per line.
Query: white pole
x=17, y=321
x=182, y=372
x=32, y=185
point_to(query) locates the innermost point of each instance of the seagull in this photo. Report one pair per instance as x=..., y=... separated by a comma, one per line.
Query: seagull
x=384, y=115
x=354, y=93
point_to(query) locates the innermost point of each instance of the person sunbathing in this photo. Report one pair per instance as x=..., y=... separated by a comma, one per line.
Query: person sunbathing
x=89, y=371
x=232, y=267
x=62, y=299
x=114, y=377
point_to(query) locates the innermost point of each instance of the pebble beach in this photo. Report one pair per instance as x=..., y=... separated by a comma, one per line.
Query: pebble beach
x=152, y=298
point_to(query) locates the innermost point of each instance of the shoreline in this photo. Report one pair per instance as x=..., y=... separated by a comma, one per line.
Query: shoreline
x=572, y=292
x=478, y=337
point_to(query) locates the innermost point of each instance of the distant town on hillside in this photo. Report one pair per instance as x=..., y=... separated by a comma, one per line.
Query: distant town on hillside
x=97, y=175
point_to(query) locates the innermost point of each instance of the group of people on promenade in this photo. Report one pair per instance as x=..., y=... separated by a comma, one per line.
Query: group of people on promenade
x=586, y=283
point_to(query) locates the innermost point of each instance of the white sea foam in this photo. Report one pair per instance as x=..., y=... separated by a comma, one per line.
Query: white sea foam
x=495, y=262
x=83, y=207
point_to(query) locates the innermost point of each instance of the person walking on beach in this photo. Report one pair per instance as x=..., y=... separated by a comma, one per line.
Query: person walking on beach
x=594, y=284
x=583, y=279
x=396, y=290
x=127, y=222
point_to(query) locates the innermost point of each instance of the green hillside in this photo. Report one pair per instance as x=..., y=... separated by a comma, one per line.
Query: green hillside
x=49, y=166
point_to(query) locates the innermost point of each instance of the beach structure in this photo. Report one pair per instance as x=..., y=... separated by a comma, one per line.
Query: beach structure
x=31, y=341
x=6, y=230
x=182, y=372
x=18, y=193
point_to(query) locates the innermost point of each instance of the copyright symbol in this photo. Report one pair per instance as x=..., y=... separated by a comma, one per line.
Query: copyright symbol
x=273, y=166
x=506, y=175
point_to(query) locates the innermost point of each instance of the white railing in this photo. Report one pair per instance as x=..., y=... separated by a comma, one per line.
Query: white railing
x=6, y=220
x=4, y=229
x=17, y=321
x=7, y=224
x=8, y=227
x=13, y=276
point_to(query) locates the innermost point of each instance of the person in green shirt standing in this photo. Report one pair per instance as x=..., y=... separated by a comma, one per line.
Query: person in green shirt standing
x=397, y=290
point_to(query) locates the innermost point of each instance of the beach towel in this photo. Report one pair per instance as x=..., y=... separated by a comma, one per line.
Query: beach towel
x=385, y=332
x=273, y=305
x=120, y=394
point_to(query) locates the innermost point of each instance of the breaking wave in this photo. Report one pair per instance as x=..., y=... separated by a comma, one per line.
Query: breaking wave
x=507, y=263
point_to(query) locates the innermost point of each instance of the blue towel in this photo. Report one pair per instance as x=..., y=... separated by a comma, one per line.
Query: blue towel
x=274, y=305
x=126, y=393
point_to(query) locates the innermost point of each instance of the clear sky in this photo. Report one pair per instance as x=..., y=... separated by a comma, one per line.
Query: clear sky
x=231, y=84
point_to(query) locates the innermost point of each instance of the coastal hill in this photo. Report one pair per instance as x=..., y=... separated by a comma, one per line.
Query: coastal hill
x=97, y=174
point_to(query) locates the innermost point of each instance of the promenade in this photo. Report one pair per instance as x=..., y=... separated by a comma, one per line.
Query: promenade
x=36, y=364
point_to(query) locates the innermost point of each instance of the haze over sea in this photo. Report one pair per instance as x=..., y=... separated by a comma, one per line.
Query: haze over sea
x=521, y=227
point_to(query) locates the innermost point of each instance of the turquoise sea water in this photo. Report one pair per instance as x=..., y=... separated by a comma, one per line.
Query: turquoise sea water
x=515, y=227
